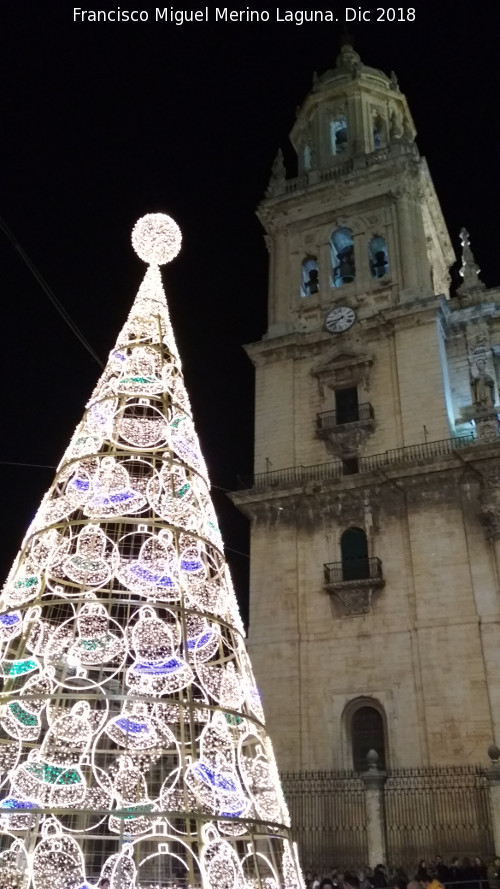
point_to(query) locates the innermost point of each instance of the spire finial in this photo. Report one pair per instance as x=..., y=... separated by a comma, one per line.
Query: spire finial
x=156, y=238
x=347, y=38
x=470, y=270
x=348, y=58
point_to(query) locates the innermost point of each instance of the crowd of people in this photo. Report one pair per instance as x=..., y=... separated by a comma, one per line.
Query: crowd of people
x=461, y=873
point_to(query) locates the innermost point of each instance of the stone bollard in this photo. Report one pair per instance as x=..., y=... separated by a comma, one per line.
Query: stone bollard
x=374, y=780
x=493, y=778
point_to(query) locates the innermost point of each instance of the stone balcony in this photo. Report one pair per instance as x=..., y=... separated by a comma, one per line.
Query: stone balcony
x=345, y=433
x=354, y=581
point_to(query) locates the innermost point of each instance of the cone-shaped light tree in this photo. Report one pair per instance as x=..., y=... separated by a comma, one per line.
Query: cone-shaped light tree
x=132, y=743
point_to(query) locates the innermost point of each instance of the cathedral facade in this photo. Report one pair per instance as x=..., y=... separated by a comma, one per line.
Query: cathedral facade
x=375, y=499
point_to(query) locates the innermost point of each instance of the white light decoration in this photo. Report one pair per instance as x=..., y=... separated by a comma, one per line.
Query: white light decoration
x=21, y=718
x=220, y=862
x=131, y=795
x=93, y=562
x=154, y=573
x=140, y=373
x=140, y=425
x=214, y=779
x=158, y=668
x=156, y=238
x=95, y=643
x=132, y=738
x=11, y=624
x=113, y=494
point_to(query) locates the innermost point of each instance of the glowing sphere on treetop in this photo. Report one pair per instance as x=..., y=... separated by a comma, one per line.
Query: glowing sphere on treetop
x=156, y=238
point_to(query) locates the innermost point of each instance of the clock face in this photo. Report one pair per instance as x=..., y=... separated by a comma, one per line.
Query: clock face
x=340, y=319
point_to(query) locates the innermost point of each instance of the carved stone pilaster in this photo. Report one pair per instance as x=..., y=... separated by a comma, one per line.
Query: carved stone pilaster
x=486, y=420
x=487, y=427
x=489, y=501
x=347, y=440
x=342, y=370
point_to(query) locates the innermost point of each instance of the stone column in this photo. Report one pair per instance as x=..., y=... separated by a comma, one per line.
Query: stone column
x=493, y=778
x=279, y=302
x=325, y=271
x=406, y=240
x=374, y=780
x=489, y=502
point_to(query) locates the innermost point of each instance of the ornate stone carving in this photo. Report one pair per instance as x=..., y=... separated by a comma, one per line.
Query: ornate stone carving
x=346, y=440
x=470, y=270
x=349, y=60
x=478, y=344
x=356, y=595
x=487, y=429
x=489, y=502
x=333, y=112
x=344, y=369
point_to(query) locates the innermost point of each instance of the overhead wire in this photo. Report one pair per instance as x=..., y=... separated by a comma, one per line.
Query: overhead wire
x=31, y=465
x=73, y=327
x=48, y=291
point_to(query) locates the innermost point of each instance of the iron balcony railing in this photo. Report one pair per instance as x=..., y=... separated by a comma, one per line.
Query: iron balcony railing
x=336, y=468
x=352, y=570
x=332, y=419
x=338, y=170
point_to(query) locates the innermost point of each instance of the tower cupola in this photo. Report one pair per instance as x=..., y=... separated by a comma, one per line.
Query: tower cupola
x=352, y=110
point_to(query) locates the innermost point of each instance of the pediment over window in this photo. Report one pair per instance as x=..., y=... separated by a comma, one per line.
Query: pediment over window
x=344, y=369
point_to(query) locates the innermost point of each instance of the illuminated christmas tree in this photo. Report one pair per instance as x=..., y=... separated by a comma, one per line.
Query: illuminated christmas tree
x=132, y=743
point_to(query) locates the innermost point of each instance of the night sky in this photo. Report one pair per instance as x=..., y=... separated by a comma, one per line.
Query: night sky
x=105, y=122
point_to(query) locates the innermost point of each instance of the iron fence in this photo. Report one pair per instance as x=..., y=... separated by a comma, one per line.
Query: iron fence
x=441, y=810
x=356, y=414
x=431, y=811
x=369, y=568
x=335, y=468
x=328, y=817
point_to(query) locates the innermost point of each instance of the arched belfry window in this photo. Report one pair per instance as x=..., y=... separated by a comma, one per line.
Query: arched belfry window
x=367, y=732
x=338, y=135
x=354, y=553
x=342, y=256
x=379, y=132
x=310, y=276
x=379, y=257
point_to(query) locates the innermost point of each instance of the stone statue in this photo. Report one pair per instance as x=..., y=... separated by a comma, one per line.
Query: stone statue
x=278, y=171
x=396, y=130
x=278, y=176
x=483, y=387
x=467, y=254
x=394, y=81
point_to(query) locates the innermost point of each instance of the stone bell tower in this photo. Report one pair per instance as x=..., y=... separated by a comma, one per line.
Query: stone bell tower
x=375, y=504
